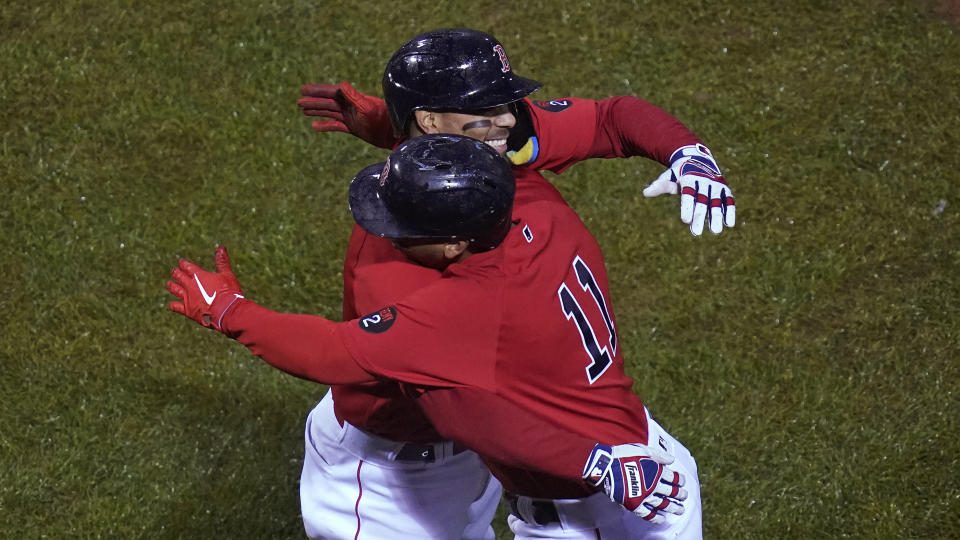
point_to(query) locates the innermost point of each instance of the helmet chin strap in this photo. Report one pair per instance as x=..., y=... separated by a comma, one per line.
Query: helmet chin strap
x=477, y=124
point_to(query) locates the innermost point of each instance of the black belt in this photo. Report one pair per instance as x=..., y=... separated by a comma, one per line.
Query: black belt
x=424, y=453
x=542, y=512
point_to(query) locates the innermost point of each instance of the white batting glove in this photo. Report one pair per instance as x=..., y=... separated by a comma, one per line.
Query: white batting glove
x=694, y=173
x=637, y=477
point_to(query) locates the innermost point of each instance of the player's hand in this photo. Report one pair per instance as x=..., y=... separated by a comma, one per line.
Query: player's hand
x=205, y=296
x=348, y=111
x=704, y=194
x=639, y=478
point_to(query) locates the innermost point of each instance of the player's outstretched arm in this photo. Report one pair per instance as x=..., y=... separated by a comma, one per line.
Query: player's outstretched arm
x=633, y=127
x=628, y=126
x=348, y=111
x=305, y=346
x=633, y=475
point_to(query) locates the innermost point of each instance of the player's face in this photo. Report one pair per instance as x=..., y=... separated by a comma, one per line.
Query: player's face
x=491, y=126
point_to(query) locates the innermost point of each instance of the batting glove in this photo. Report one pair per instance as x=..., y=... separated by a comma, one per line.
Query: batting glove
x=701, y=186
x=349, y=111
x=205, y=296
x=636, y=476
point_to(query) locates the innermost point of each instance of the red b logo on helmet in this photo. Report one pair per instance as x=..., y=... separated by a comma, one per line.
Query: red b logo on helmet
x=505, y=64
x=383, y=173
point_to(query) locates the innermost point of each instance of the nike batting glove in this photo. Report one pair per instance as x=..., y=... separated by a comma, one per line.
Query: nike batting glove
x=349, y=111
x=637, y=477
x=205, y=296
x=704, y=194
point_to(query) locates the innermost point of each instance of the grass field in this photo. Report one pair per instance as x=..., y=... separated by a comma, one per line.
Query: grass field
x=808, y=357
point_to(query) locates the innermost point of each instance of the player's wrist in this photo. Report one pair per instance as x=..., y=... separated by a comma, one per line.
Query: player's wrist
x=597, y=466
x=231, y=314
x=695, y=159
x=698, y=150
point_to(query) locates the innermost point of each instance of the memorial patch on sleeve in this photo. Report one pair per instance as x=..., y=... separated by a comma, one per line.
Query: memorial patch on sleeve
x=378, y=321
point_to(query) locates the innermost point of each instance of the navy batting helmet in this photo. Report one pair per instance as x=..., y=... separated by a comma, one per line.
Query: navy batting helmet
x=450, y=70
x=437, y=187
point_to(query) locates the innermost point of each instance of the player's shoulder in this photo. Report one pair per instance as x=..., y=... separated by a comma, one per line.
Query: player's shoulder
x=554, y=105
x=545, y=115
x=539, y=221
x=479, y=273
x=550, y=130
x=553, y=212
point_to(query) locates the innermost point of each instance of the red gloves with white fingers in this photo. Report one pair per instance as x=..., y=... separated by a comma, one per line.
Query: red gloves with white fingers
x=348, y=111
x=205, y=296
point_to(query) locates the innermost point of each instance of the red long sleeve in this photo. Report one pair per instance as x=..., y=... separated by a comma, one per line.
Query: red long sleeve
x=306, y=346
x=503, y=432
x=630, y=126
x=572, y=130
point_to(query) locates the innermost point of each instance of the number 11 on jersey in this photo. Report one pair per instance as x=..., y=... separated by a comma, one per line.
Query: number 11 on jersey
x=600, y=355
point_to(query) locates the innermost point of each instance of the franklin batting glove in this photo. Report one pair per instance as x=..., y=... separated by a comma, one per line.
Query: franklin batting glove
x=205, y=296
x=637, y=477
x=348, y=111
x=694, y=173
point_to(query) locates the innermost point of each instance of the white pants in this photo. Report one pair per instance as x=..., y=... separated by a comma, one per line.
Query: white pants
x=598, y=518
x=353, y=486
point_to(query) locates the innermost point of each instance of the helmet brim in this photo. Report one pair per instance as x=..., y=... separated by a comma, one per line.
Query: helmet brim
x=368, y=207
x=498, y=93
x=520, y=87
x=370, y=211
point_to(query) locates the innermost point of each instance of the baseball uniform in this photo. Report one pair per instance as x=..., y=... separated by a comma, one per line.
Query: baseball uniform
x=531, y=321
x=550, y=135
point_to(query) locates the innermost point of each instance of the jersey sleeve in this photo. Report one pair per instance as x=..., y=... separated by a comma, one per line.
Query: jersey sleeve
x=571, y=130
x=564, y=130
x=629, y=126
x=305, y=346
x=442, y=335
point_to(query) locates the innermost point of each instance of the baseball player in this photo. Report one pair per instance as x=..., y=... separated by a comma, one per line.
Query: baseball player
x=460, y=81
x=522, y=309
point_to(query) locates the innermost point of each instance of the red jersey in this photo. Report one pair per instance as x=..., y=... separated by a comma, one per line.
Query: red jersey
x=563, y=132
x=530, y=321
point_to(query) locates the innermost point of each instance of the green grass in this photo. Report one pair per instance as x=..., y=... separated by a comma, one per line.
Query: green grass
x=808, y=357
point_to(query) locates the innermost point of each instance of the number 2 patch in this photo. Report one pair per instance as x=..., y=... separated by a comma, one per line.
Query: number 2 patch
x=379, y=321
x=555, y=105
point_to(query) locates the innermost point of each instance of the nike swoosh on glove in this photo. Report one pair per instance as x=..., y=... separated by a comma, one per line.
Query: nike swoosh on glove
x=205, y=296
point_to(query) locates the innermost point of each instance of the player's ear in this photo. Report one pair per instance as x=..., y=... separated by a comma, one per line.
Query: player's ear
x=453, y=251
x=426, y=122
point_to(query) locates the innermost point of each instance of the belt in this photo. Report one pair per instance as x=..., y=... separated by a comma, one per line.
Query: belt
x=533, y=511
x=383, y=451
x=424, y=453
